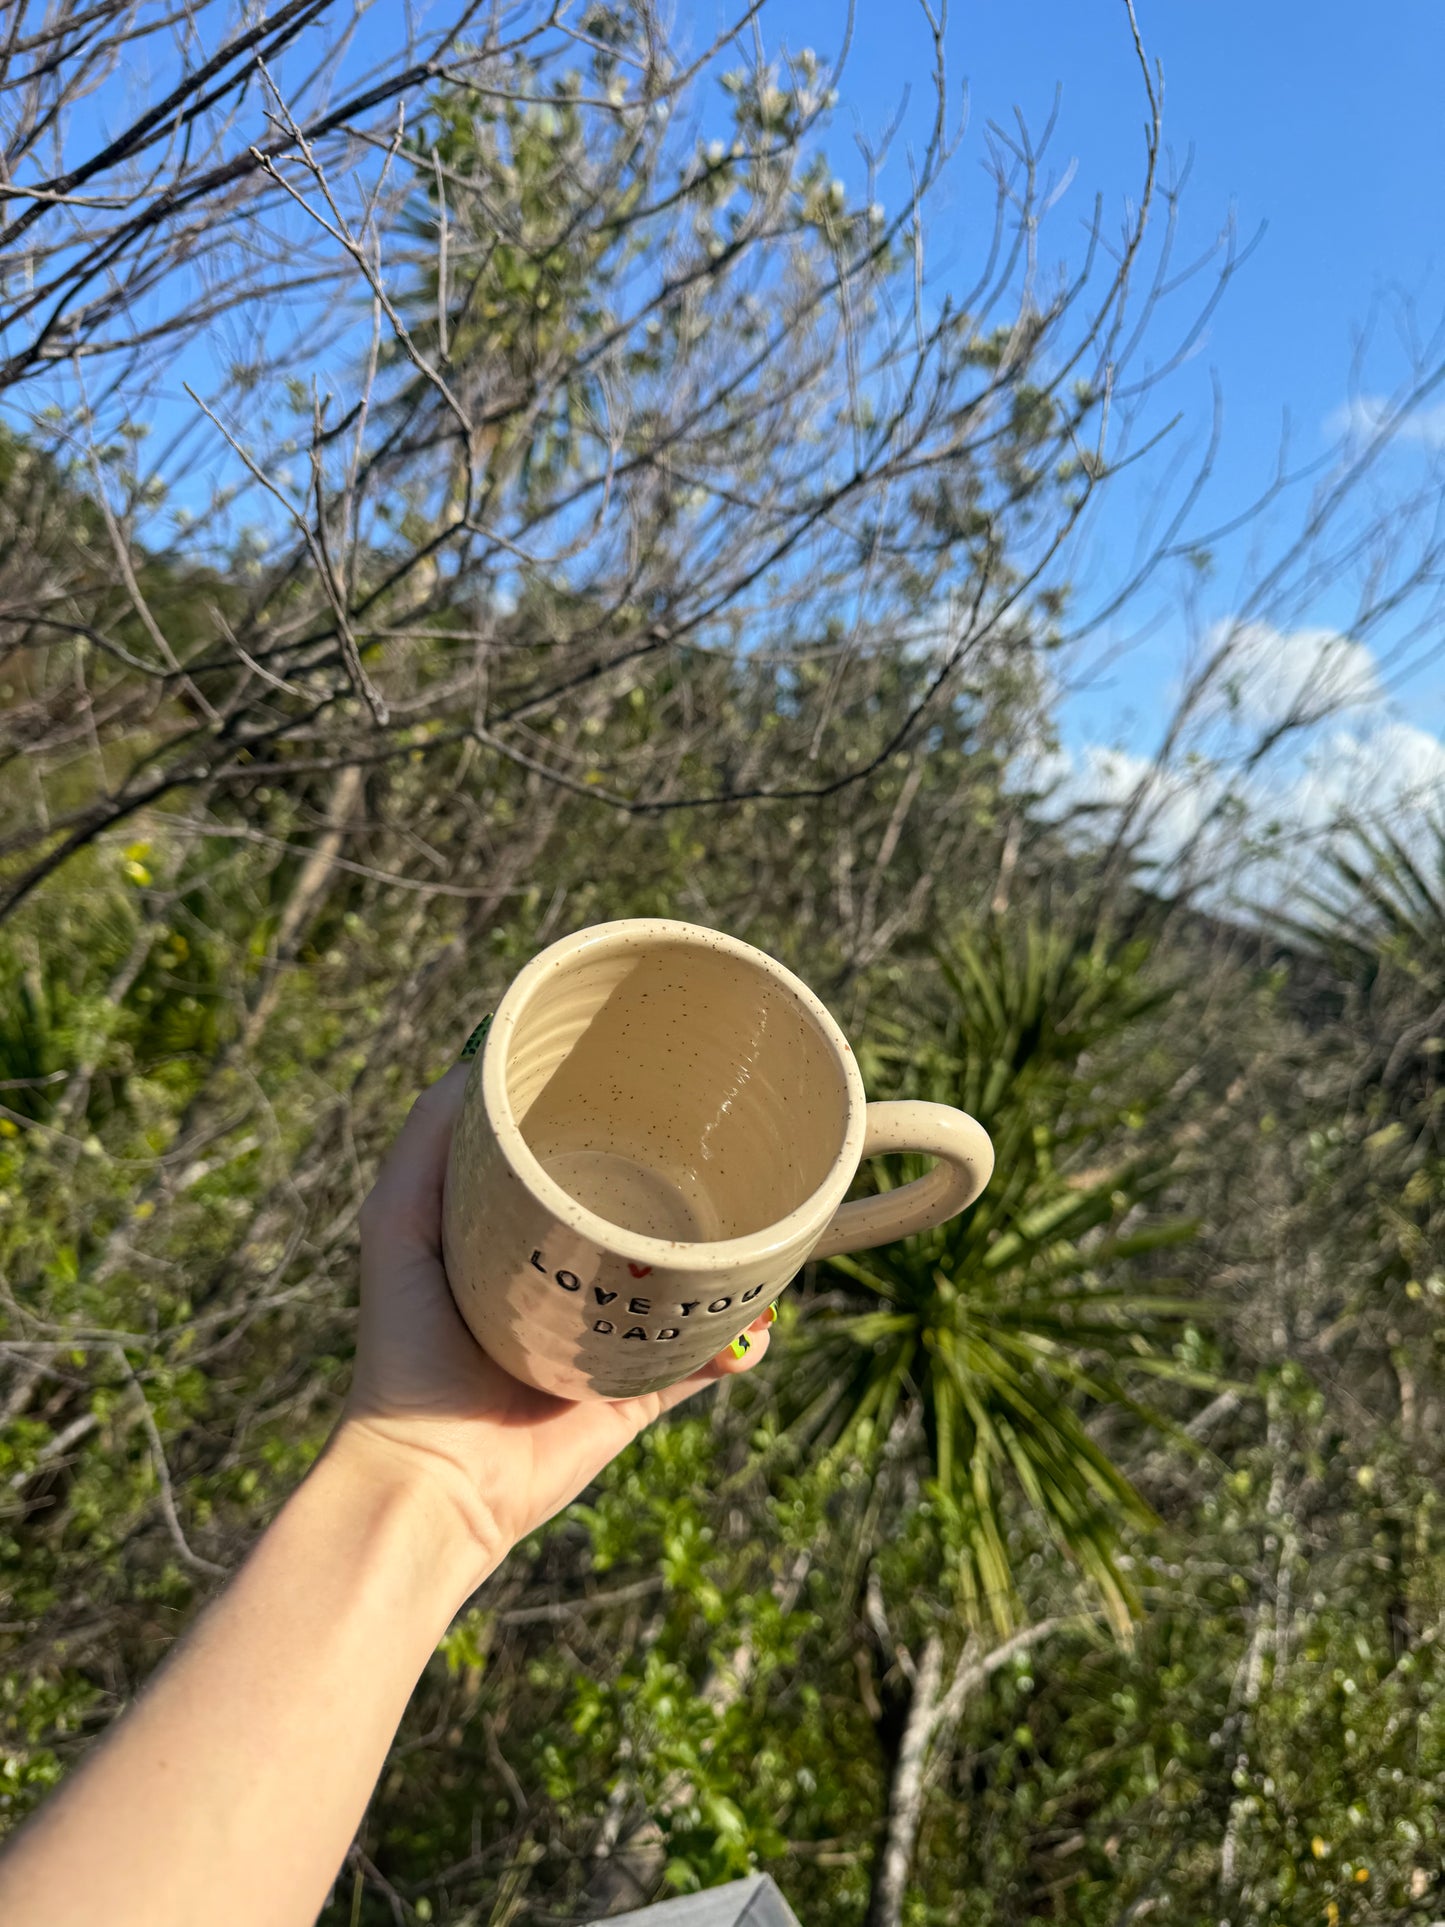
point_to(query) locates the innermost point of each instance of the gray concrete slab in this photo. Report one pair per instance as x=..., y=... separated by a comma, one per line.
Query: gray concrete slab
x=754, y=1902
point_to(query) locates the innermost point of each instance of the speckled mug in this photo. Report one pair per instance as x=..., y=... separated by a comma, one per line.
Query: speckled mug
x=657, y=1133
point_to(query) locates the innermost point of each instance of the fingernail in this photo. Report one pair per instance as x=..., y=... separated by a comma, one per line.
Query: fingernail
x=773, y=1312
x=474, y=1042
x=740, y=1347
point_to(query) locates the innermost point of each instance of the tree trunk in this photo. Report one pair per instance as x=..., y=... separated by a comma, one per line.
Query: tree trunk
x=313, y=884
x=905, y=1795
x=309, y=892
x=1269, y=1631
x=931, y=1713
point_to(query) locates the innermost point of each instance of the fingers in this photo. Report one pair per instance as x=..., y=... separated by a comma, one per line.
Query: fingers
x=408, y=1190
x=728, y=1363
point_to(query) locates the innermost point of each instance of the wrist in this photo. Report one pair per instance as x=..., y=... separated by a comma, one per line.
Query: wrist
x=446, y=1527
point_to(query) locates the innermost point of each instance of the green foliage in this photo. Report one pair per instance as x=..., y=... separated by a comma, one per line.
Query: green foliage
x=1269, y=1749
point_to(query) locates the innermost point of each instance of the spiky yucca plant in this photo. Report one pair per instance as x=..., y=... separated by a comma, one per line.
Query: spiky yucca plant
x=1012, y=1330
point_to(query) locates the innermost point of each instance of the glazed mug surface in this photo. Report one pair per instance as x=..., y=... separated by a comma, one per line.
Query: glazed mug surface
x=657, y=1133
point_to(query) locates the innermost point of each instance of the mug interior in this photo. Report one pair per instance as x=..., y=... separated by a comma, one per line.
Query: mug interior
x=676, y=1089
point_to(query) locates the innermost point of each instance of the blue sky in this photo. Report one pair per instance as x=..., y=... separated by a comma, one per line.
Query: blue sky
x=1301, y=113
x=1308, y=118
x=1304, y=117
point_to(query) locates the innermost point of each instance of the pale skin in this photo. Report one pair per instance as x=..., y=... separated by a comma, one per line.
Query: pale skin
x=231, y=1791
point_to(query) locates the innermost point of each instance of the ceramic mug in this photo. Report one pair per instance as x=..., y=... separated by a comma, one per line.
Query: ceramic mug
x=657, y=1133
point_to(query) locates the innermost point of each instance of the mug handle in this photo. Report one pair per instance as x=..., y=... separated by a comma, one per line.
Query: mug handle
x=965, y=1164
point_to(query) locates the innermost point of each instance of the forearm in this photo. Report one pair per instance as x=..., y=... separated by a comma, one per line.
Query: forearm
x=231, y=1791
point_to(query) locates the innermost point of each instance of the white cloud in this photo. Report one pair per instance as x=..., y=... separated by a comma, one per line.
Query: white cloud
x=1279, y=675
x=1395, y=770
x=1365, y=415
x=1096, y=784
x=1265, y=837
x=1389, y=776
x=1337, y=753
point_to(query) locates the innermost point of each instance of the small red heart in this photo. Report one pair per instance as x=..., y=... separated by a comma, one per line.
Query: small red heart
x=639, y=1271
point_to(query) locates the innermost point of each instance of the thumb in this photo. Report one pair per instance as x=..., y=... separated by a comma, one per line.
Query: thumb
x=407, y=1195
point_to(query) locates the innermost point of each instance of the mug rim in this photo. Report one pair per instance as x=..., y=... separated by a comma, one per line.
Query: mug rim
x=673, y=1254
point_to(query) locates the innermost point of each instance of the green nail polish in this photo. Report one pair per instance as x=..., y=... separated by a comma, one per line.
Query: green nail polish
x=474, y=1042
x=773, y=1312
x=740, y=1347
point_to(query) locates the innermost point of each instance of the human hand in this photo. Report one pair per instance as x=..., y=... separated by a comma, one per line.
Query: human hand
x=428, y=1400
